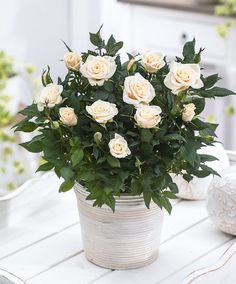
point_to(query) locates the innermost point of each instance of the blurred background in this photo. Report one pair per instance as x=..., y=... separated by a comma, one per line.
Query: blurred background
x=31, y=34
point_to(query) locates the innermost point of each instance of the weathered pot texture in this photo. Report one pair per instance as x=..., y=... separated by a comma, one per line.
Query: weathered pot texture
x=126, y=239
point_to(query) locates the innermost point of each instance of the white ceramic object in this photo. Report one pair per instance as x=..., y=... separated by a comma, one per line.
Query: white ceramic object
x=223, y=271
x=126, y=239
x=197, y=188
x=221, y=201
x=8, y=278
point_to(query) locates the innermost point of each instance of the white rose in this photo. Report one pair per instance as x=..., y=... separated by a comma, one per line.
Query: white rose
x=148, y=116
x=119, y=147
x=152, y=61
x=183, y=76
x=72, y=61
x=50, y=96
x=68, y=116
x=137, y=90
x=98, y=69
x=188, y=112
x=102, y=111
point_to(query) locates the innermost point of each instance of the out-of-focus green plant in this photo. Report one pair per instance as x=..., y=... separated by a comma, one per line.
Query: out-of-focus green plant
x=230, y=110
x=6, y=68
x=7, y=140
x=227, y=8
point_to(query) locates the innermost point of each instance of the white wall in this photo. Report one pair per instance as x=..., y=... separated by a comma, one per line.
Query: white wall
x=32, y=30
x=88, y=15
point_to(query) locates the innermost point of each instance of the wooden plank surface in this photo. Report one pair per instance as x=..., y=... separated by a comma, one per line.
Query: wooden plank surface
x=47, y=248
x=56, y=216
x=175, y=254
x=196, y=214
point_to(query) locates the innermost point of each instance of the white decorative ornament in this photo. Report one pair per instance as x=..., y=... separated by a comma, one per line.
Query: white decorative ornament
x=197, y=188
x=221, y=201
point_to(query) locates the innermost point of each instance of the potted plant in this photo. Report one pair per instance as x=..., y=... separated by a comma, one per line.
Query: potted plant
x=116, y=130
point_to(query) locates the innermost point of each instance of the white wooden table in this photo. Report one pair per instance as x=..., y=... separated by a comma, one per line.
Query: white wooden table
x=46, y=247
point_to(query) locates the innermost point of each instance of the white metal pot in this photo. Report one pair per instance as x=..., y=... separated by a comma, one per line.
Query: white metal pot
x=126, y=239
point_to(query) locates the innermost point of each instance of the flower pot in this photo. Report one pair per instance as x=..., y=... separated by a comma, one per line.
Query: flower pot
x=126, y=239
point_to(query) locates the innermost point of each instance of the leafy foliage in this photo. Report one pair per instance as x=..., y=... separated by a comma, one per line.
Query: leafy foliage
x=78, y=154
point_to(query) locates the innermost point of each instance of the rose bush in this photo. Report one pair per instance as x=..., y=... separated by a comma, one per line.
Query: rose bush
x=124, y=127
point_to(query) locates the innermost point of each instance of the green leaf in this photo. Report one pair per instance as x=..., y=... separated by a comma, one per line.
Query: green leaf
x=66, y=185
x=96, y=39
x=77, y=157
x=146, y=135
x=113, y=162
x=173, y=136
x=166, y=204
x=26, y=126
x=198, y=124
x=156, y=199
x=86, y=175
x=101, y=160
x=201, y=174
x=210, y=170
x=100, y=95
x=68, y=48
x=210, y=81
x=199, y=104
x=189, y=153
x=109, y=200
x=66, y=173
x=207, y=158
x=30, y=111
x=34, y=147
x=45, y=167
x=215, y=92
x=173, y=187
x=108, y=86
x=147, y=198
x=187, y=177
x=112, y=46
x=110, y=43
x=209, y=130
x=169, y=194
x=189, y=51
x=160, y=182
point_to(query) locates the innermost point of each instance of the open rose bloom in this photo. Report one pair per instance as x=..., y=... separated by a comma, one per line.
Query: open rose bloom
x=124, y=126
